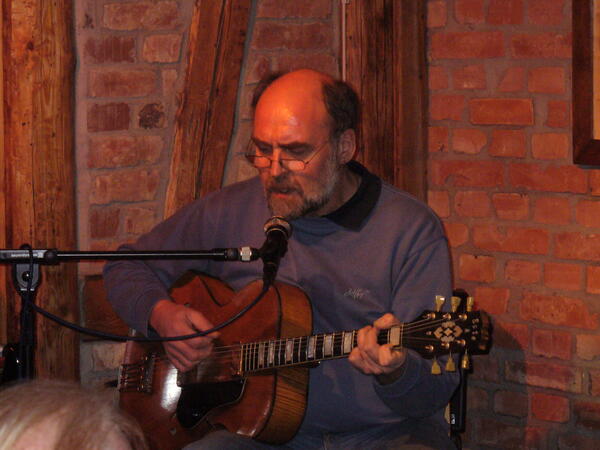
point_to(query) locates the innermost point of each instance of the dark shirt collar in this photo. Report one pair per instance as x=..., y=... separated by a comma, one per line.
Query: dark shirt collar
x=354, y=212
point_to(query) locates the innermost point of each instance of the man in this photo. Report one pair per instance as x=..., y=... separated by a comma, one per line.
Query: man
x=363, y=251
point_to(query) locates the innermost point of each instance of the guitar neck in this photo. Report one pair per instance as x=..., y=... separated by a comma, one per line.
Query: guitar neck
x=279, y=353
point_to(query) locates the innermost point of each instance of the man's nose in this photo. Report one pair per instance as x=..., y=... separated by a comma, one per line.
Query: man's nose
x=276, y=169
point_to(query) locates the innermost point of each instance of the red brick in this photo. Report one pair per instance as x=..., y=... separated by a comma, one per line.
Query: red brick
x=477, y=268
x=439, y=201
x=559, y=114
x=125, y=186
x=577, y=442
x=104, y=222
x=438, y=78
x=562, y=276
x=108, y=117
x=169, y=82
x=151, y=115
x=551, y=376
x=588, y=346
x=541, y=45
x=472, y=203
x=492, y=300
x=546, y=12
x=292, y=36
x=259, y=67
x=511, y=403
x=109, y=49
x=512, y=336
x=587, y=415
x=321, y=61
x=552, y=344
x=467, y=45
x=467, y=173
x=123, y=151
x=555, y=210
x=594, y=182
x=477, y=399
x=547, y=80
x=595, y=383
x=550, y=145
x=551, y=408
x=490, y=431
x=505, y=12
x=446, y=106
x=557, y=310
x=513, y=80
x=138, y=15
x=468, y=140
x=485, y=368
x=458, y=233
x=139, y=220
x=587, y=213
x=593, y=279
x=162, y=48
x=276, y=9
x=470, y=77
x=469, y=11
x=510, y=206
x=561, y=178
x=508, y=143
x=522, y=272
x=526, y=240
x=121, y=83
x=501, y=111
x=438, y=139
x=571, y=245
x=437, y=14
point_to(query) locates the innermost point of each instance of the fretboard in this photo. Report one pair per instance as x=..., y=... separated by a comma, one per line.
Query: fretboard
x=279, y=353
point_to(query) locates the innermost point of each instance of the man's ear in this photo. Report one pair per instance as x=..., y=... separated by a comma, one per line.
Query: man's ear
x=346, y=146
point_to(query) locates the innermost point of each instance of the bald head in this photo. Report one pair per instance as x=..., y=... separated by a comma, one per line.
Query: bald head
x=318, y=92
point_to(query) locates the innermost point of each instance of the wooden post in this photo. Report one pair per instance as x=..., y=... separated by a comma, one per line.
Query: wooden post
x=205, y=117
x=39, y=161
x=386, y=65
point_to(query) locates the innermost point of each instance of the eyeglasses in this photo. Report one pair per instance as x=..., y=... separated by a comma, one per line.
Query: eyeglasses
x=264, y=162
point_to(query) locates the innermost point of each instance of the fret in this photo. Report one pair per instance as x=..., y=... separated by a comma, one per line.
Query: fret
x=319, y=346
x=337, y=344
x=395, y=336
x=347, y=341
x=289, y=349
x=261, y=354
x=328, y=345
x=310, y=351
x=280, y=353
x=298, y=351
x=271, y=354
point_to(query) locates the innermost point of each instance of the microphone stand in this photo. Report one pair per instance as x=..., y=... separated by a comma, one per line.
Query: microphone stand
x=27, y=276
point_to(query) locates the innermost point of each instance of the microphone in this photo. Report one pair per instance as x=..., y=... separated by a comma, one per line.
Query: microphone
x=278, y=231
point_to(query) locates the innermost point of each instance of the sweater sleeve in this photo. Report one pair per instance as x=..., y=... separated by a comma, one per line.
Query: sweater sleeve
x=134, y=287
x=421, y=276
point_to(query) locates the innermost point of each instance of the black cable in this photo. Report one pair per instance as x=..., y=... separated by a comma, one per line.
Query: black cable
x=117, y=337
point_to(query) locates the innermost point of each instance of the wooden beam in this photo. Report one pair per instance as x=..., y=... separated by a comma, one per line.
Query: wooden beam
x=385, y=62
x=40, y=164
x=205, y=117
x=3, y=269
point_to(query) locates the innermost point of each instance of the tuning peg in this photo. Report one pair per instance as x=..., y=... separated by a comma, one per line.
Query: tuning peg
x=439, y=302
x=450, y=367
x=465, y=362
x=435, y=367
x=470, y=303
x=455, y=303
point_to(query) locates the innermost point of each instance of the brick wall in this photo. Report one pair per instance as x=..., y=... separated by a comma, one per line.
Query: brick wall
x=522, y=220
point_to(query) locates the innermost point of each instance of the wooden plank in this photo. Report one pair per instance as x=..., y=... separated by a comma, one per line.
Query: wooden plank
x=385, y=63
x=39, y=161
x=205, y=117
x=97, y=311
x=3, y=271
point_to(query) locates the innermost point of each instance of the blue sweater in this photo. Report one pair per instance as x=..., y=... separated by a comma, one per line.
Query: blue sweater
x=384, y=251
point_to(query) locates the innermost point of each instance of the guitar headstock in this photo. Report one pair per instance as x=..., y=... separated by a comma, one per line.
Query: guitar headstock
x=460, y=331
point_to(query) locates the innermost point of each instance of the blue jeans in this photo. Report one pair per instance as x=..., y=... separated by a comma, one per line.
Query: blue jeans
x=407, y=435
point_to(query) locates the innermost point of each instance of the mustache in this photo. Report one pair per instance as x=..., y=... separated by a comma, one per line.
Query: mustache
x=281, y=186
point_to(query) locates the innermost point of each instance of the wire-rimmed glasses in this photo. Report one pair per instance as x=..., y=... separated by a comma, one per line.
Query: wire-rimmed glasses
x=265, y=162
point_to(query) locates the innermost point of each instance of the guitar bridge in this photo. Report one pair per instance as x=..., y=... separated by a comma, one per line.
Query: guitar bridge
x=138, y=377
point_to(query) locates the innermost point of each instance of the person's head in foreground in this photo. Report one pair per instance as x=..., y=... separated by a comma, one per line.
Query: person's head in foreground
x=56, y=415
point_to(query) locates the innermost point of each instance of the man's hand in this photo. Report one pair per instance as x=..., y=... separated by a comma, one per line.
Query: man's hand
x=373, y=359
x=171, y=319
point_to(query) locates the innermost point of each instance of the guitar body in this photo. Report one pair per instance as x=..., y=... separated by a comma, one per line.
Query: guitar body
x=268, y=405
